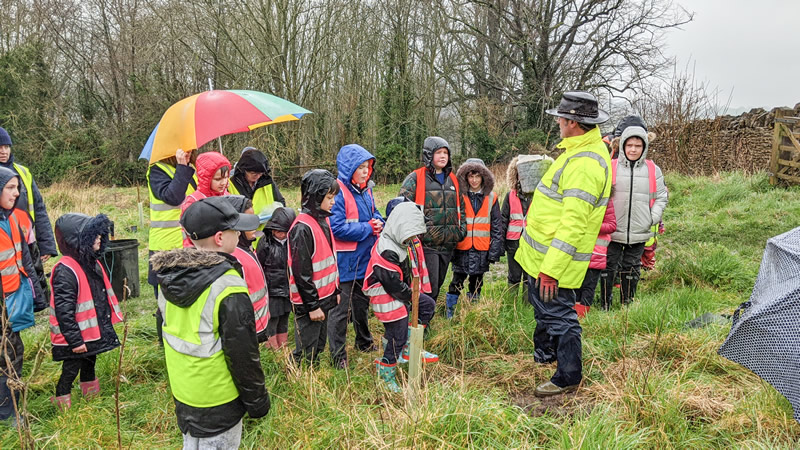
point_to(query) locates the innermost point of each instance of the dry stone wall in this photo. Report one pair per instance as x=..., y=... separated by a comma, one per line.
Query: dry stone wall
x=725, y=143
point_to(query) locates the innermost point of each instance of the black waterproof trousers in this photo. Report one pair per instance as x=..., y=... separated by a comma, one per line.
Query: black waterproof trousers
x=353, y=307
x=558, y=332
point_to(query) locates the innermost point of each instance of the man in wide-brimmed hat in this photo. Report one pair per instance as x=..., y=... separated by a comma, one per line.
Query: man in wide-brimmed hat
x=562, y=226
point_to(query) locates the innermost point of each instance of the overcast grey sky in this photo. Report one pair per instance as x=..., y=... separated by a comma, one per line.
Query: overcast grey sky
x=748, y=46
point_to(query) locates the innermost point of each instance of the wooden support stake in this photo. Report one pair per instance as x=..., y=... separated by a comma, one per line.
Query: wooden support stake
x=414, y=346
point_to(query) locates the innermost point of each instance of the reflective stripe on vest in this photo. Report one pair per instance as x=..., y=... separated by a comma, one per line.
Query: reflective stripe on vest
x=419, y=194
x=11, y=258
x=85, y=313
x=350, y=215
x=165, y=229
x=552, y=191
x=256, y=286
x=479, y=225
x=385, y=307
x=198, y=373
x=516, y=217
x=651, y=178
x=417, y=258
x=326, y=272
x=27, y=180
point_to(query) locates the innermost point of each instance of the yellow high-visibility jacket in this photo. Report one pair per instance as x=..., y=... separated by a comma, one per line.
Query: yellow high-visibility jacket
x=567, y=210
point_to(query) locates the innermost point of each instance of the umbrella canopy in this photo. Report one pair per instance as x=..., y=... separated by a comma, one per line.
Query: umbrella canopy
x=765, y=335
x=196, y=120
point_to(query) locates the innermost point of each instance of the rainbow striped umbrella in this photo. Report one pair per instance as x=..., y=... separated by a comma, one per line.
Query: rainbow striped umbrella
x=201, y=118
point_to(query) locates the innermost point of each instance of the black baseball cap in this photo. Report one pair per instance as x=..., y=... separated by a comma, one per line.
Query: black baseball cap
x=205, y=217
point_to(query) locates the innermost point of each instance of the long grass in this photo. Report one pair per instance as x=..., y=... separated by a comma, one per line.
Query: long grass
x=650, y=382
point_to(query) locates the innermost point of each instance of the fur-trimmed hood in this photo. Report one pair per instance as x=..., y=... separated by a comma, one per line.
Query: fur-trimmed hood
x=475, y=165
x=75, y=234
x=512, y=176
x=184, y=274
x=651, y=136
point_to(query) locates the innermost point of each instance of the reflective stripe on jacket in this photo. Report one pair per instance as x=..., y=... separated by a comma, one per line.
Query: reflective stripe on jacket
x=11, y=256
x=351, y=216
x=85, y=313
x=27, y=180
x=323, y=259
x=256, y=286
x=516, y=222
x=385, y=307
x=193, y=346
x=569, y=205
x=479, y=225
x=165, y=228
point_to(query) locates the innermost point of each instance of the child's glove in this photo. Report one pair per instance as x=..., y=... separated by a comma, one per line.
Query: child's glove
x=377, y=226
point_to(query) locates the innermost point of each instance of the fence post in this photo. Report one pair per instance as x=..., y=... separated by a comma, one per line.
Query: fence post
x=776, y=145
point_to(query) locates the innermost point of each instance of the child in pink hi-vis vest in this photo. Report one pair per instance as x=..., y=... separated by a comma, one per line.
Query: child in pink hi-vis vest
x=83, y=306
x=396, y=258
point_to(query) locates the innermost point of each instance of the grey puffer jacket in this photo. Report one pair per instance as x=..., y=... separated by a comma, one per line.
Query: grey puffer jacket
x=632, y=194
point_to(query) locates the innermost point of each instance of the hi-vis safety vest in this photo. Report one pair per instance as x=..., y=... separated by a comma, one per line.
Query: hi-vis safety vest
x=256, y=286
x=198, y=373
x=652, y=184
x=385, y=307
x=85, y=313
x=479, y=225
x=422, y=178
x=27, y=181
x=516, y=217
x=577, y=187
x=418, y=267
x=262, y=197
x=11, y=256
x=323, y=259
x=165, y=228
x=350, y=215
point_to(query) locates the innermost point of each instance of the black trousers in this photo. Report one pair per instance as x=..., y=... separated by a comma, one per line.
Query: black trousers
x=627, y=260
x=309, y=337
x=558, y=331
x=589, y=286
x=396, y=334
x=353, y=306
x=457, y=284
x=437, y=263
x=14, y=348
x=515, y=272
x=277, y=325
x=69, y=371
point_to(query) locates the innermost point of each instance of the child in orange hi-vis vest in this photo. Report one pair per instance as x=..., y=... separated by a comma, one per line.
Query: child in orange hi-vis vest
x=396, y=258
x=483, y=244
x=313, y=273
x=83, y=306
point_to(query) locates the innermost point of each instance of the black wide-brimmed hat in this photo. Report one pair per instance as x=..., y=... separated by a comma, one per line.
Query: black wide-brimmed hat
x=579, y=106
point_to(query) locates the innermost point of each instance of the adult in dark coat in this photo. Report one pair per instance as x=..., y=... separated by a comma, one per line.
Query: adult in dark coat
x=44, y=231
x=273, y=254
x=255, y=162
x=76, y=235
x=443, y=208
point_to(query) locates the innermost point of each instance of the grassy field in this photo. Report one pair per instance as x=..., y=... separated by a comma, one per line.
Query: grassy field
x=649, y=381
